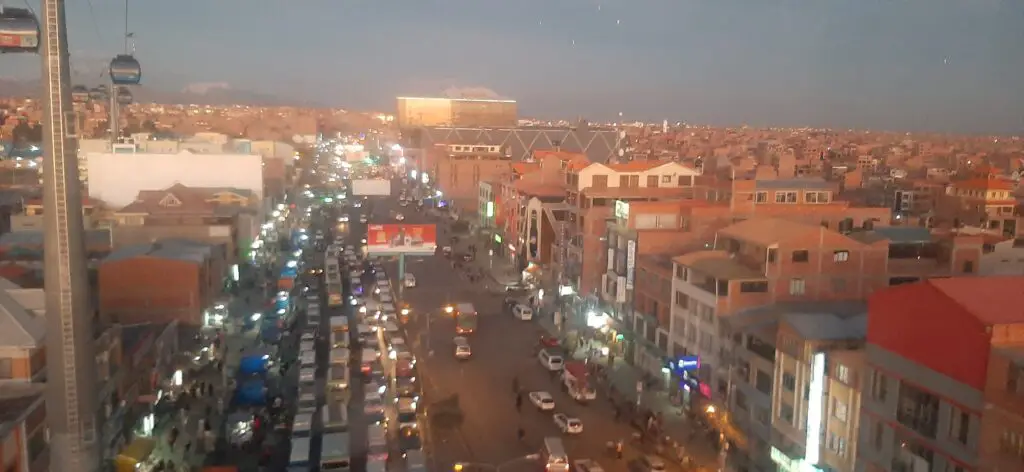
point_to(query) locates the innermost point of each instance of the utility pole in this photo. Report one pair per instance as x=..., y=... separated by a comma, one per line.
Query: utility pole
x=71, y=390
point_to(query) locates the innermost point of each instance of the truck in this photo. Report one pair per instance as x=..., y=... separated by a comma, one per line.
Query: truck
x=576, y=382
x=465, y=318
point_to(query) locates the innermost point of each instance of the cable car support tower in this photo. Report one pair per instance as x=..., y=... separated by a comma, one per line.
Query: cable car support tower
x=71, y=390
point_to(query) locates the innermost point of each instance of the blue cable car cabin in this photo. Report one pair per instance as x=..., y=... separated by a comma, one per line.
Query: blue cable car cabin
x=125, y=70
x=19, y=30
x=124, y=96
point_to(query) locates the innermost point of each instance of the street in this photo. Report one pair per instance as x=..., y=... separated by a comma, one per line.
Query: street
x=503, y=348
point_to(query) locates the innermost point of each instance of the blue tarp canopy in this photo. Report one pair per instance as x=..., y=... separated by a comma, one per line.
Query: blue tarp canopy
x=252, y=392
x=254, y=361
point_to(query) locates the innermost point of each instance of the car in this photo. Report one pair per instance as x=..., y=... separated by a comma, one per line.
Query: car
x=372, y=387
x=409, y=280
x=363, y=219
x=522, y=312
x=586, y=465
x=462, y=349
x=568, y=425
x=399, y=217
x=403, y=203
x=308, y=337
x=542, y=400
x=343, y=219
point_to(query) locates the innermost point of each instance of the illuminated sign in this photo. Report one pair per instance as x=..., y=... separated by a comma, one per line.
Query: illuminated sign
x=784, y=462
x=490, y=209
x=621, y=209
x=630, y=262
x=814, y=408
x=686, y=363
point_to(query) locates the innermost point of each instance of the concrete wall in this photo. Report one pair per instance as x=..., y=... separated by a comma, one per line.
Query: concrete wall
x=217, y=235
x=35, y=222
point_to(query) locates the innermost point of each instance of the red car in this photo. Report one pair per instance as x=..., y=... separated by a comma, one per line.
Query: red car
x=549, y=341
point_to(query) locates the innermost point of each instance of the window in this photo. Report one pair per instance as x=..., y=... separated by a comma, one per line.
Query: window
x=841, y=256
x=816, y=197
x=753, y=287
x=797, y=287
x=1014, y=378
x=652, y=181
x=843, y=374
x=681, y=272
x=836, y=444
x=786, y=412
x=877, y=435
x=1012, y=443
x=760, y=197
x=36, y=444
x=801, y=255
x=839, y=410
x=762, y=415
x=600, y=181
x=666, y=179
x=788, y=381
x=969, y=267
x=959, y=423
x=6, y=369
x=879, y=386
x=763, y=382
x=785, y=197
x=773, y=254
x=682, y=300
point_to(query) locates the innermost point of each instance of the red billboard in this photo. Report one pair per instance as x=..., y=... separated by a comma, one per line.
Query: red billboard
x=401, y=239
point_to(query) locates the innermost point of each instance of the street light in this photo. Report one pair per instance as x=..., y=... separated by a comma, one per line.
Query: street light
x=460, y=466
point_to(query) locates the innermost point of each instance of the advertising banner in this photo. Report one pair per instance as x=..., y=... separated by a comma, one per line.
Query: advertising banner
x=371, y=187
x=401, y=239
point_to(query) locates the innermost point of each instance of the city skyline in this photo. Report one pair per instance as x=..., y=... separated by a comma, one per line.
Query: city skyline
x=872, y=65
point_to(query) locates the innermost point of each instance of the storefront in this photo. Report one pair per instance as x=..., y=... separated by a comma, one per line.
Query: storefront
x=686, y=389
x=135, y=457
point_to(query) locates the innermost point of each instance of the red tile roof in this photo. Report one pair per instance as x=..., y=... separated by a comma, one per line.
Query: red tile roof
x=539, y=190
x=986, y=183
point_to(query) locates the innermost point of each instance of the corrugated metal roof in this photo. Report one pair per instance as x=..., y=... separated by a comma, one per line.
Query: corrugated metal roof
x=793, y=184
x=35, y=238
x=174, y=249
x=905, y=234
x=20, y=325
x=828, y=326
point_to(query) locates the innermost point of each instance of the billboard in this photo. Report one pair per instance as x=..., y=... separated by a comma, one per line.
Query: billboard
x=371, y=187
x=401, y=239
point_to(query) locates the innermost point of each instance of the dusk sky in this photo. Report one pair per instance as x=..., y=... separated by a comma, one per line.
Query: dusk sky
x=944, y=65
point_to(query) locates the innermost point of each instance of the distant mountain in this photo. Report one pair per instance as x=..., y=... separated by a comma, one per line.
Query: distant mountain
x=198, y=94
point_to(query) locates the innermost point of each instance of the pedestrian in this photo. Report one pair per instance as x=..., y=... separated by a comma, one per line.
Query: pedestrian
x=519, y=403
x=521, y=434
x=618, y=449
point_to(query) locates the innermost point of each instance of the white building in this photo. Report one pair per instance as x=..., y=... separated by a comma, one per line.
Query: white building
x=116, y=179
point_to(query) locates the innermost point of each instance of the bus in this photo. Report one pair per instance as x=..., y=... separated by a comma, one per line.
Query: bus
x=334, y=454
x=299, y=459
x=465, y=318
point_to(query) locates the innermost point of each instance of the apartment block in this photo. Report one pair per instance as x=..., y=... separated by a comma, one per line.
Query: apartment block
x=458, y=169
x=943, y=389
x=593, y=190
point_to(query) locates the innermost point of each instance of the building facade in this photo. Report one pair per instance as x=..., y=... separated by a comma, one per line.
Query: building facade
x=415, y=112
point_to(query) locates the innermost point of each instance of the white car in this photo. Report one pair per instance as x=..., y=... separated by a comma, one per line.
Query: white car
x=363, y=218
x=308, y=337
x=568, y=425
x=409, y=281
x=542, y=400
x=400, y=217
x=343, y=219
x=372, y=387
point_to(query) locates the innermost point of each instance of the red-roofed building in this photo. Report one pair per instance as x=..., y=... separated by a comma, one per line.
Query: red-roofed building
x=985, y=200
x=945, y=376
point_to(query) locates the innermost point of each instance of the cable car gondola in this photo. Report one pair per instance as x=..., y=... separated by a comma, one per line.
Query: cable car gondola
x=125, y=70
x=124, y=96
x=80, y=94
x=98, y=93
x=19, y=30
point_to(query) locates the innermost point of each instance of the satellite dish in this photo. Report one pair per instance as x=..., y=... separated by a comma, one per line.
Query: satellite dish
x=622, y=152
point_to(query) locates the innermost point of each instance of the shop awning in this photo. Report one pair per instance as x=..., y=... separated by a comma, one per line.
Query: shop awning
x=134, y=453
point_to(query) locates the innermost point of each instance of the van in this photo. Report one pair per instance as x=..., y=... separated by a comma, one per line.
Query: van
x=376, y=442
x=335, y=416
x=302, y=424
x=307, y=359
x=522, y=312
x=551, y=361
x=554, y=456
